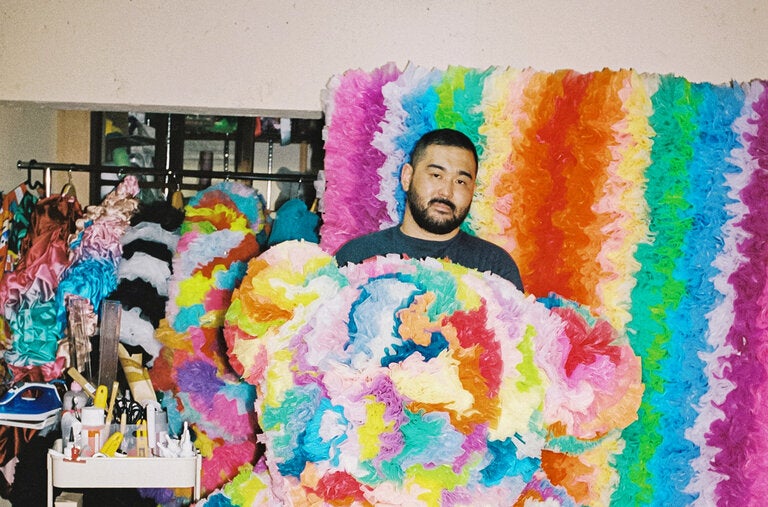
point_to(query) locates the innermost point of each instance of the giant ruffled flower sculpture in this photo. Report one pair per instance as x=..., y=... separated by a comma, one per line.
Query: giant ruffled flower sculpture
x=406, y=382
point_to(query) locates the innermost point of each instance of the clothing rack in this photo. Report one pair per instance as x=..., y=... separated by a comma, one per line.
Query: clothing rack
x=169, y=175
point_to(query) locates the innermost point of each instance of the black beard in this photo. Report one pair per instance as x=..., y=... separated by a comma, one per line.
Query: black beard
x=425, y=221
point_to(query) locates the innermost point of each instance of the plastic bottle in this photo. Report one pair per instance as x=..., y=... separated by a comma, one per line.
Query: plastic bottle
x=92, y=433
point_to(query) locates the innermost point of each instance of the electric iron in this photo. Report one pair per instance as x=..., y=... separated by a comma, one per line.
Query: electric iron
x=30, y=405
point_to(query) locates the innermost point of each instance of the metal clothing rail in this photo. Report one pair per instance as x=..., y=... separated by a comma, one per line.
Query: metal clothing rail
x=48, y=168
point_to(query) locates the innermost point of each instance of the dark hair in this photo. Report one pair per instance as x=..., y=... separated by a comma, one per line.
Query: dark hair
x=442, y=137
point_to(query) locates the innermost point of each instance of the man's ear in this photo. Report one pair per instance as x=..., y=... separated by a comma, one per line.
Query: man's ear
x=406, y=174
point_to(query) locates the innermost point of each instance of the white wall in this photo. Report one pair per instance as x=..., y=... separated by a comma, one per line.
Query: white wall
x=273, y=58
x=26, y=132
x=265, y=57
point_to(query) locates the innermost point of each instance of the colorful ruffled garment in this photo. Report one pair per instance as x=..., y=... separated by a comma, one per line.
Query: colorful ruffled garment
x=404, y=382
x=144, y=272
x=15, y=214
x=217, y=239
x=28, y=293
x=95, y=249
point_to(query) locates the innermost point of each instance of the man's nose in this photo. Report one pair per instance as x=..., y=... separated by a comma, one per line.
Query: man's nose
x=445, y=189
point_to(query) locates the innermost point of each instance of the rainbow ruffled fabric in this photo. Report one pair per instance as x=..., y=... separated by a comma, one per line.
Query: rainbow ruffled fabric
x=404, y=382
x=641, y=197
x=218, y=237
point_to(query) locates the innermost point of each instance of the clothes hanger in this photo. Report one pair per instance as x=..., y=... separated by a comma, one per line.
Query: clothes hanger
x=36, y=188
x=32, y=185
x=177, y=200
x=68, y=190
x=177, y=197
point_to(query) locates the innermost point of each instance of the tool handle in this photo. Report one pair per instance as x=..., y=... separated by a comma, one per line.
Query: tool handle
x=112, y=398
x=77, y=377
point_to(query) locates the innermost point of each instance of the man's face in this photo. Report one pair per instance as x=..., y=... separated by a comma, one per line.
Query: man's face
x=439, y=188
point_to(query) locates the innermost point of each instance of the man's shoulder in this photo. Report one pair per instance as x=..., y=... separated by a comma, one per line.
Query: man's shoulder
x=369, y=238
x=488, y=256
x=483, y=246
x=362, y=247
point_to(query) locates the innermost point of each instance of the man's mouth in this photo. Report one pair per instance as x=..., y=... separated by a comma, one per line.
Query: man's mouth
x=442, y=206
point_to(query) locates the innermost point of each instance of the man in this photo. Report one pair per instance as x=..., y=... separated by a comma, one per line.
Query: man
x=439, y=183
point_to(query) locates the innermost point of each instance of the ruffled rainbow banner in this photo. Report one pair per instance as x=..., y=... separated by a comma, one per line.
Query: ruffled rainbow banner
x=640, y=196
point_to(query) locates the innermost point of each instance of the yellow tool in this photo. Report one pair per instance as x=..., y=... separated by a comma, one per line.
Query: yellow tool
x=100, y=398
x=142, y=446
x=112, y=444
x=111, y=408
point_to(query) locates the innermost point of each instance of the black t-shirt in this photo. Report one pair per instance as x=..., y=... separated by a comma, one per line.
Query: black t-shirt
x=464, y=249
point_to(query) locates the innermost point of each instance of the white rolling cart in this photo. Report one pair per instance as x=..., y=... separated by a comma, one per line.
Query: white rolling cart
x=127, y=472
